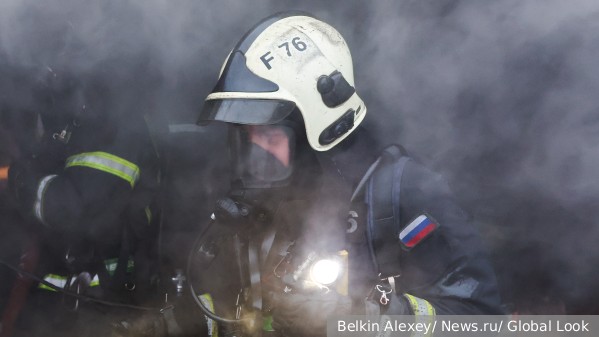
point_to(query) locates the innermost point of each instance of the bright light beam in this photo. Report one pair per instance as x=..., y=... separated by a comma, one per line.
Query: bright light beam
x=325, y=271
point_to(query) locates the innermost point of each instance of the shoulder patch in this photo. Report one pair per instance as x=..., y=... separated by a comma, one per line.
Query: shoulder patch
x=417, y=230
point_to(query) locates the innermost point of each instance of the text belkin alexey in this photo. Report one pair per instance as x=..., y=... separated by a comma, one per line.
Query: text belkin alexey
x=385, y=325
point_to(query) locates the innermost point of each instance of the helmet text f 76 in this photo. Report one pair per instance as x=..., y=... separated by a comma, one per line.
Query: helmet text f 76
x=288, y=61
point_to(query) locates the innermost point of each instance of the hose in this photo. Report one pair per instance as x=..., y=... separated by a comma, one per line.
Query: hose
x=196, y=298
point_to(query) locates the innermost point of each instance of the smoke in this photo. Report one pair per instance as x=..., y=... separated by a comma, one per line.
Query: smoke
x=501, y=97
x=498, y=96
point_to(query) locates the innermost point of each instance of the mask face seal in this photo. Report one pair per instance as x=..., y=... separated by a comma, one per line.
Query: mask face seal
x=262, y=155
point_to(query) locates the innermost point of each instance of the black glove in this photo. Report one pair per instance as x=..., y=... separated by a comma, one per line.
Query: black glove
x=306, y=314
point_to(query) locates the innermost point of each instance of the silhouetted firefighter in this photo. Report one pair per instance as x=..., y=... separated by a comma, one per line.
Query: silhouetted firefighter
x=88, y=192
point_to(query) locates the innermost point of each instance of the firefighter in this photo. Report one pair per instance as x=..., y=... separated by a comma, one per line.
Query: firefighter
x=302, y=163
x=88, y=192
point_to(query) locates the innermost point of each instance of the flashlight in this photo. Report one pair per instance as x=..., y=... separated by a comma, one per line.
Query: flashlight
x=325, y=271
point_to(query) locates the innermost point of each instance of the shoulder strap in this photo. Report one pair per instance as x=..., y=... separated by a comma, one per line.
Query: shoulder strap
x=382, y=198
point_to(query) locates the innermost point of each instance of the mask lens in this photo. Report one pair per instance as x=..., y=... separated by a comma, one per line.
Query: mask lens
x=264, y=154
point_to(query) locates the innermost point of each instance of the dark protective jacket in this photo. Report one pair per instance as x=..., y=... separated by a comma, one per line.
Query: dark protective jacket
x=93, y=197
x=446, y=272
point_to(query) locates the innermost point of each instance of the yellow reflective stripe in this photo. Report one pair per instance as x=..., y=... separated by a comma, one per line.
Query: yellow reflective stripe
x=342, y=286
x=108, y=163
x=420, y=306
x=95, y=281
x=55, y=280
x=45, y=287
x=61, y=281
x=209, y=303
x=424, y=312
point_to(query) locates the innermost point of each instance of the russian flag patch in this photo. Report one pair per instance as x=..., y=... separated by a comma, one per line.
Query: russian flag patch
x=416, y=231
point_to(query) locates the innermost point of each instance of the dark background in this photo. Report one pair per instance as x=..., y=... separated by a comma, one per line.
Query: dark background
x=501, y=97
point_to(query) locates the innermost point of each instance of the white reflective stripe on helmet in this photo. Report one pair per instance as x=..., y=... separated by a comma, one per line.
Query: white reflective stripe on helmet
x=108, y=163
x=38, y=205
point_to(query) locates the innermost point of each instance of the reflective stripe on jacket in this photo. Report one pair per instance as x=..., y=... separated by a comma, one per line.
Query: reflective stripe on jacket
x=108, y=163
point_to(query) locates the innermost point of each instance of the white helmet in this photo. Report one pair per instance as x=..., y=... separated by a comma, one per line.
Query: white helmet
x=289, y=60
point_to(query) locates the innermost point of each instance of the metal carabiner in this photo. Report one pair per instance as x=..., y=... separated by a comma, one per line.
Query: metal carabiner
x=384, y=300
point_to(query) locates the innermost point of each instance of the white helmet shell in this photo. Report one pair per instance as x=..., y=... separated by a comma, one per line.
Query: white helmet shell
x=290, y=60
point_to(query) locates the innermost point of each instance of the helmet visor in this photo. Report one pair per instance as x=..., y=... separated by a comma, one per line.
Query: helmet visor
x=246, y=111
x=262, y=155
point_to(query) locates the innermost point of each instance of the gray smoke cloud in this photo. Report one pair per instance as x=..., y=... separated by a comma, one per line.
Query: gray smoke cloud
x=500, y=97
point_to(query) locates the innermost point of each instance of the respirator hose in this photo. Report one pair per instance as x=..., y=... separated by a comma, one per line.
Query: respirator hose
x=209, y=313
